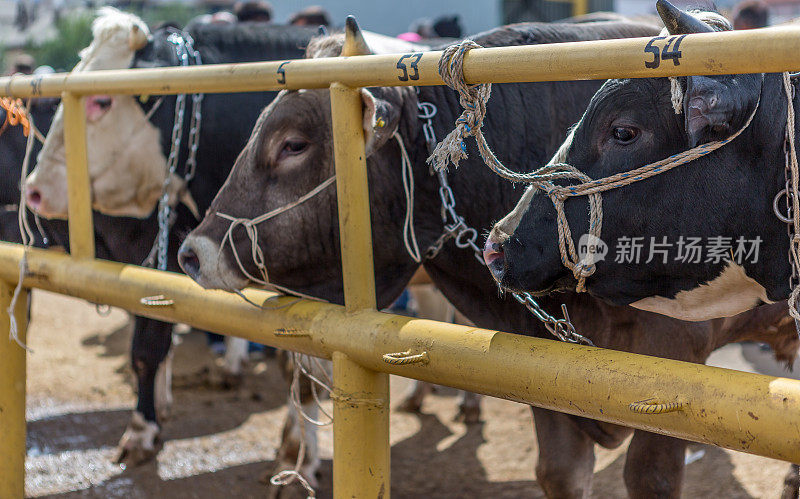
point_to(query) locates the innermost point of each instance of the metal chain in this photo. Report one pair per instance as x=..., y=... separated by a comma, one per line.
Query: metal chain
x=794, y=275
x=187, y=54
x=455, y=227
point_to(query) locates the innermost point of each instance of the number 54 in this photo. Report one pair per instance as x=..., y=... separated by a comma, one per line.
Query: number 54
x=671, y=51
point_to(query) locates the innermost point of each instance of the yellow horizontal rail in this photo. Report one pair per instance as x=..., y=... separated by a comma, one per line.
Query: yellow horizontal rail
x=748, y=412
x=752, y=51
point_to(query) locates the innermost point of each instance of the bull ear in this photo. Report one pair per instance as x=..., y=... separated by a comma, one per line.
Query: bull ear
x=716, y=107
x=679, y=22
x=381, y=117
x=137, y=38
x=354, y=43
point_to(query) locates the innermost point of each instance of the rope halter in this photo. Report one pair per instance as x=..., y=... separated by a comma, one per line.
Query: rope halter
x=452, y=150
x=250, y=227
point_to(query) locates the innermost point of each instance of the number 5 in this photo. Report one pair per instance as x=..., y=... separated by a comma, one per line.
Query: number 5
x=655, y=51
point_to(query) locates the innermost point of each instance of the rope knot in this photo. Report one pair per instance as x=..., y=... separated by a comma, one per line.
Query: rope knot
x=473, y=99
x=583, y=269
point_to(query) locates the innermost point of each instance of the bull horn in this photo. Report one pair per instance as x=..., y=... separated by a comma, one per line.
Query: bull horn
x=354, y=43
x=679, y=22
x=137, y=39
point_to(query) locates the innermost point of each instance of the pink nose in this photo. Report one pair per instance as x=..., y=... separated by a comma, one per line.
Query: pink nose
x=33, y=197
x=493, y=256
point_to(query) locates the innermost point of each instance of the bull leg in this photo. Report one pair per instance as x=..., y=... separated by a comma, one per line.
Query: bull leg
x=469, y=409
x=654, y=465
x=566, y=456
x=235, y=355
x=413, y=402
x=151, y=343
x=296, y=430
x=164, y=388
x=791, y=483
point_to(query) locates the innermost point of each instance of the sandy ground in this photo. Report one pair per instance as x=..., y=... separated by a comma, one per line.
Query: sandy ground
x=218, y=443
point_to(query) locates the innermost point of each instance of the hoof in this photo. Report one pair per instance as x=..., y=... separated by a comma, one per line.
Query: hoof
x=140, y=442
x=468, y=414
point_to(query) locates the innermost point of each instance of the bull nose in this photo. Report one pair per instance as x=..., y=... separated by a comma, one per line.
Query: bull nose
x=33, y=197
x=189, y=261
x=494, y=258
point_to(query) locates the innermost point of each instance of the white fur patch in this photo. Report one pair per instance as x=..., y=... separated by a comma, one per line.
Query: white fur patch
x=732, y=292
x=140, y=434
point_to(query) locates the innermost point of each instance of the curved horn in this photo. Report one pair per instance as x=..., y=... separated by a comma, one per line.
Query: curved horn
x=137, y=38
x=354, y=43
x=679, y=22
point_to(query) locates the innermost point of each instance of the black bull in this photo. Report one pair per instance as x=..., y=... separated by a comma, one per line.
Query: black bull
x=723, y=201
x=290, y=153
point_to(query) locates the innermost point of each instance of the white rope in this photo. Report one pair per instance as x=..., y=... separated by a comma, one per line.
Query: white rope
x=26, y=233
x=409, y=234
x=676, y=94
x=256, y=254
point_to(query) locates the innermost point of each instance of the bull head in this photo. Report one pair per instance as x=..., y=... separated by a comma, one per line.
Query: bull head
x=679, y=22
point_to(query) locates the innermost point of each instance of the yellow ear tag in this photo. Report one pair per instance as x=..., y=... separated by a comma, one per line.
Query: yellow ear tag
x=380, y=123
x=144, y=98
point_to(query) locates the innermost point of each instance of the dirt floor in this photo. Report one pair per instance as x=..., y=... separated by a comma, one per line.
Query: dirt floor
x=218, y=443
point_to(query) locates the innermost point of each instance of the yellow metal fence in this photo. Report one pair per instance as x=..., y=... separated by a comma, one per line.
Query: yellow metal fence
x=753, y=413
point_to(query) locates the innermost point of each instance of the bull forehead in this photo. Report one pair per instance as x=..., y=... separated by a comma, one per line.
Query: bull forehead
x=304, y=111
x=295, y=105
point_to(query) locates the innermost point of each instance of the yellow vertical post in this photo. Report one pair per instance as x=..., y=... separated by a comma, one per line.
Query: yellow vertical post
x=12, y=396
x=361, y=396
x=580, y=7
x=81, y=231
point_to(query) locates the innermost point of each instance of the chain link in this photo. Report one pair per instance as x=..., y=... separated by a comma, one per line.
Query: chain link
x=187, y=54
x=455, y=227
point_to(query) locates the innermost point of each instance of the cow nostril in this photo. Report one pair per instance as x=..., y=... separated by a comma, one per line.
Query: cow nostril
x=493, y=256
x=33, y=197
x=189, y=261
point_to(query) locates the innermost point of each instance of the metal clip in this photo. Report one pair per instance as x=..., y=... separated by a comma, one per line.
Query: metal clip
x=649, y=407
x=404, y=358
x=156, y=301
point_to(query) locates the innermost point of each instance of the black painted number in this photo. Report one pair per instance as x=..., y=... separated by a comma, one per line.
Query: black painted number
x=670, y=52
x=653, y=50
x=282, y=72
x=414, y=60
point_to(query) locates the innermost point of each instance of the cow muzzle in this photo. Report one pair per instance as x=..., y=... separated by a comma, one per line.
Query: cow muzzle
x=43, y=200
x=202, y=260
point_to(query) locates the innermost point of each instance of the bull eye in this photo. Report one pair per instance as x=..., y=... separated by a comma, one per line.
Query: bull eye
x=625, y=134
x=293, y=147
